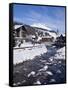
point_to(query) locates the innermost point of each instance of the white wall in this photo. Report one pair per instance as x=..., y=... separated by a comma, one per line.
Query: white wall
x=4, y=44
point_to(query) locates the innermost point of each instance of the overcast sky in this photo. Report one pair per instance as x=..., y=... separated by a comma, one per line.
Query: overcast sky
x=53, y=17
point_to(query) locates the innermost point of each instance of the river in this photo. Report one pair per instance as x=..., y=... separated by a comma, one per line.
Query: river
x=43, y=70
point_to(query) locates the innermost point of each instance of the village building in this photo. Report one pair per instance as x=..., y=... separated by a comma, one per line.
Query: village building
x=26, y=33
x=62, y=40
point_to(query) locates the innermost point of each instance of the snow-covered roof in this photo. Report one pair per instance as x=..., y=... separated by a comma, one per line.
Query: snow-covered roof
x=17, y=26
x=41, y=26
x=52, y=34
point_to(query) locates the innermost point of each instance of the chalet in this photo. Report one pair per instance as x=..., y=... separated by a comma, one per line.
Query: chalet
x=32, y=34
x=25, y=32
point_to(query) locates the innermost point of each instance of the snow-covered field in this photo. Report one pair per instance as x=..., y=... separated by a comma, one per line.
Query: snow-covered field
x=20, y=55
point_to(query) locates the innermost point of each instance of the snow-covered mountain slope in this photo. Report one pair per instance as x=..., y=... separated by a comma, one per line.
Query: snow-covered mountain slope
x=41, y=26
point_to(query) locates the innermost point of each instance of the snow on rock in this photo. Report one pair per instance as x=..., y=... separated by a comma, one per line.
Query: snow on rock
x=49, y=73
x=60, y=54
x=31, y=73
x=14, y=84
x=58, y=71
x=44, y=68
x=38, y=82
x=21, y=55
x=51, y=59
x=52, y=80
x=23, y=81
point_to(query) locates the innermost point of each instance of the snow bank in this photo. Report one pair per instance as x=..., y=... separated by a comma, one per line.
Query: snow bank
x=21, y=55
x=60, y=54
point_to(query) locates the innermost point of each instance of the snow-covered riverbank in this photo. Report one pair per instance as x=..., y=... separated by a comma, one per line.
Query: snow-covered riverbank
x=20, y=55
x=60, y=54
